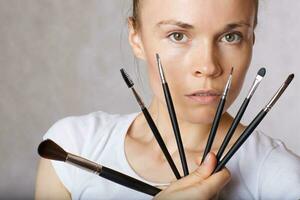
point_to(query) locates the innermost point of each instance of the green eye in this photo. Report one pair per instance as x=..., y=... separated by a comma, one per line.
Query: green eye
x=178, y=37
x=232, y=38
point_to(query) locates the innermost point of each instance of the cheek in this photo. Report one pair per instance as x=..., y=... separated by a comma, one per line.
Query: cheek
x=171, y=59
x=154, y=78
x=240, y=59
x=237, y=84
x=173, y=72
x=238, y=80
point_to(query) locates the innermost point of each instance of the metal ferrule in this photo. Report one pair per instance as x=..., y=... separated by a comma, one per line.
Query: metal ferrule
x=276, y=97
x=161, y=71
x=227, y=87
x=84, y=163
x=138, y=98
x=255, y=85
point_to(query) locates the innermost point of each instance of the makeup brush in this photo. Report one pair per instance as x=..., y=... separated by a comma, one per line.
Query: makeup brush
x=217, y=118
x=173, y=117
x=151, y=123
x=260, y=75
x=256, y=121
x=50, y=150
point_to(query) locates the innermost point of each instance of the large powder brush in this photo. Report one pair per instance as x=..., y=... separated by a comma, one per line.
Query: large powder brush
x=50, y=150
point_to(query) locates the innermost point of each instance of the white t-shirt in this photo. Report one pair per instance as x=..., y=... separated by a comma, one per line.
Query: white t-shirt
x=262, y=168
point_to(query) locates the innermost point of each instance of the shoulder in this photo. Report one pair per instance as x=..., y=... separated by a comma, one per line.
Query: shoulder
x=85, y=135
x=91, y=120
x=267, y=150
x=267, y=168
x=261, y=143
x=261, y=149
x=73, y=131
x=256, y=149
x=279, y=173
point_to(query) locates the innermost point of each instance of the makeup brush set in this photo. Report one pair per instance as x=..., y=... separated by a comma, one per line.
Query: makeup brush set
x=50, y=150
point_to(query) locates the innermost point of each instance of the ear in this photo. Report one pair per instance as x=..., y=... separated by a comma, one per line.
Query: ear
x=135, y=40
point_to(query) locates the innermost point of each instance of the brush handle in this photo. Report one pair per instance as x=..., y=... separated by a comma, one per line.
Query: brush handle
x=175, y=126
x=214, y=128
x=232, y=129
x=247, y=132
x=160, y=141
x=128, y=181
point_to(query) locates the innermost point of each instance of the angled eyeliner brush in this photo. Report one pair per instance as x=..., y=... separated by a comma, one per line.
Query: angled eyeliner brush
x=151, y=123
x=255, y=122
x=173, y=117
x=217, y=118
x=50, y=150
x=260, y=75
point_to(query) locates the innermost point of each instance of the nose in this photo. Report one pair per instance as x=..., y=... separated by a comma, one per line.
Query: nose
x=206, y=61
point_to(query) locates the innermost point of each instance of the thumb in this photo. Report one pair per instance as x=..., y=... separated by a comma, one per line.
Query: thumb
x=200, y=174
x=206, y=168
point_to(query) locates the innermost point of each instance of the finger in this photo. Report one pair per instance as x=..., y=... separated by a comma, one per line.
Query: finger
x=209, y=164
x=206, y=189
x=215, y=183
x=198, y=160
x=205, y=169
x=200, y=174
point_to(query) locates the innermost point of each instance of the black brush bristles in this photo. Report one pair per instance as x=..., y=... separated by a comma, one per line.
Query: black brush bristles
x=262, y=72
x=289, y=79
x=50, y=150
x=126, y=78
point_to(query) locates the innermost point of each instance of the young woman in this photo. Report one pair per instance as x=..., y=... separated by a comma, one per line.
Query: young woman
x=199, y=42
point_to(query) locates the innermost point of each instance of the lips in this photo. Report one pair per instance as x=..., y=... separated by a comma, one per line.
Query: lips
x=205, y=93
x=204, y=96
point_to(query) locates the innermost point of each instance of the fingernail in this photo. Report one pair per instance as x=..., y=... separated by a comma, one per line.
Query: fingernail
x=207, y=158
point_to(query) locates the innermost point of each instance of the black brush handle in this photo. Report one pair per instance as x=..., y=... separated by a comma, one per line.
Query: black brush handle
x=161, y=143
x=247, y=132
x=232, y=128
x=128, y=181
x=173, y=118
x=214, y=128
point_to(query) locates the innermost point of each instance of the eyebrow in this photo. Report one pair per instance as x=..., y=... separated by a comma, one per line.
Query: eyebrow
x=189, y=26
x=175, y=23
x=236, y=25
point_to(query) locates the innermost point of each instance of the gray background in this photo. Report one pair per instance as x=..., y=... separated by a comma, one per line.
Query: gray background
x=62, y=57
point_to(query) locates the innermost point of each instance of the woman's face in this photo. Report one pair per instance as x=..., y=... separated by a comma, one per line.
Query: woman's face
x=198, y=41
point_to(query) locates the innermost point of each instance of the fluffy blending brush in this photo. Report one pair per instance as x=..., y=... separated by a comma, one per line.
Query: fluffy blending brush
x=151, y=123
x=256, y=121
x=50, y=150
x=217, y=118
x=172, y=115
x=260, y=75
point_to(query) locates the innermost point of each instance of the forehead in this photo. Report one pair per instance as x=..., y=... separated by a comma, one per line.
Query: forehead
x=199, y=13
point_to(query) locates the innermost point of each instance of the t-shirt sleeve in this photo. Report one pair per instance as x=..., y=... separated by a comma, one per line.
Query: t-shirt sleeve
x=75, y=135
x=280, y=174
x=67, y=134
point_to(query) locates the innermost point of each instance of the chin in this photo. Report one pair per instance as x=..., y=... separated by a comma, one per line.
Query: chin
x=200, y=116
